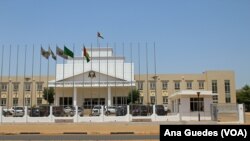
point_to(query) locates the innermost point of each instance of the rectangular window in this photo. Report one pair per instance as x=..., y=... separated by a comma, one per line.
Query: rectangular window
x=165, y=99
x=227, y=91
x=4, y=86
x=189, y=84
x=164, y=85
x=215, y=98
x=27, y=101
x=196, y=104
x=27, y=87
x=15, y=86
x=152, y=85
x=177, y=85
x=39, y=101
x=140, y=85
x=227, y=86
x=39, y=86
x=3, y=101
x=152, y=99
x=15, y=101
x=201, y=84
x=214, y=86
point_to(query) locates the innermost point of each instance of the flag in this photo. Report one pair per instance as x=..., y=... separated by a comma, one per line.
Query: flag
x=60, y=53
x=68, y=52
x=99, y=35
x=86, y=54
x=52, y=54
x=44, y=53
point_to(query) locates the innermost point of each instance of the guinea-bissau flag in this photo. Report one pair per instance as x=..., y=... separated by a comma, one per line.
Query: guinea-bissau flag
x=85, y=53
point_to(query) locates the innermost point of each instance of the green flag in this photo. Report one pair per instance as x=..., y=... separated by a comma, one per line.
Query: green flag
x=52, y=54
x=60, y=53
x=68, y=52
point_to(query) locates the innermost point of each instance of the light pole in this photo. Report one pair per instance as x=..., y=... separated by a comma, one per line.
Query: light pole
x=198, y=94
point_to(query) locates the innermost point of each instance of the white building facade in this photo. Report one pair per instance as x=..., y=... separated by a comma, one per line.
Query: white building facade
x=105, y=80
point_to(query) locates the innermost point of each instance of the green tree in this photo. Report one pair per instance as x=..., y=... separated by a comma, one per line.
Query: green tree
x=243, y=96
x=135, y=96
x=48, y=95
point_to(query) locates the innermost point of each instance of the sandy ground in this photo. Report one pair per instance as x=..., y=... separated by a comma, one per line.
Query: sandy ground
x=90, y=128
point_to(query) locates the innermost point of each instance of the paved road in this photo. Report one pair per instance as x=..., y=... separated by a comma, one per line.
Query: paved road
x=78, y=137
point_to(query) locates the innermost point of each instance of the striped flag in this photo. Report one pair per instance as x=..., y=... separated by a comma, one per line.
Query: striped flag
x=86, y=54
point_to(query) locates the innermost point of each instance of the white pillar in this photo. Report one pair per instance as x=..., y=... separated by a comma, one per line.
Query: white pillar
x=1, y=112
x=75, y=97
x=109, y=96
x=241, y=111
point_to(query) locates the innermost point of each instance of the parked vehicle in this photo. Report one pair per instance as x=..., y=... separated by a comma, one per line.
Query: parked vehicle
x=121, y=111
x=18, y=111
x=159, y=109
x=58, y=111
x=44, y=110
x=34, y=112
x=110, y=110
x=96, y=111
x=73, y=112
x=140, y=110
x=14, y=111
x=67, y=109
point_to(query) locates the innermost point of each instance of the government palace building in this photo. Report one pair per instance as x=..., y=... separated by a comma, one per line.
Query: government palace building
x=108, y=79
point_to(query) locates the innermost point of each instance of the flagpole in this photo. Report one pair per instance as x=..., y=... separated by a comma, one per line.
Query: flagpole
x=91, y=77
x=147, y=70
x=55, y=100
x=48, y=79
x=107, y=71
x=83, y=73
x=98, y=44
x=32, y=77
x=123, y=69
x=17, y=54
x=155, y=76
x=74, y=75
x=40, y=71
x=115, y=75
x=9, y=81
x=63, y=82
x=131, y=73
x=139, y=60
x=1, y=77
x=24, y=75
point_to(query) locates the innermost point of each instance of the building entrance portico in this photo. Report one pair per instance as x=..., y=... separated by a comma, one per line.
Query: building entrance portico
x=105, y=80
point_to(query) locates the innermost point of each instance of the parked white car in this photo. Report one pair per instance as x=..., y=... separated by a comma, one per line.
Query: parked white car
x=110, y=110
x=96, y=111
x=15, y=111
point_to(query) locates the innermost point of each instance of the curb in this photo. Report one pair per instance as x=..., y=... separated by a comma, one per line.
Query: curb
x=117, y=133
x=29, y=133
x=75, y=133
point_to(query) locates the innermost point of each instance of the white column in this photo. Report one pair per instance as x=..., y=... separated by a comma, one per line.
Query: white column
x=109, y=96
x=241, y=111
x=1, y=112
x=75, y=96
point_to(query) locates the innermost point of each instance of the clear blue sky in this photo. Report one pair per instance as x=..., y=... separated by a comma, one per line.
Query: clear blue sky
x=191, y=36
